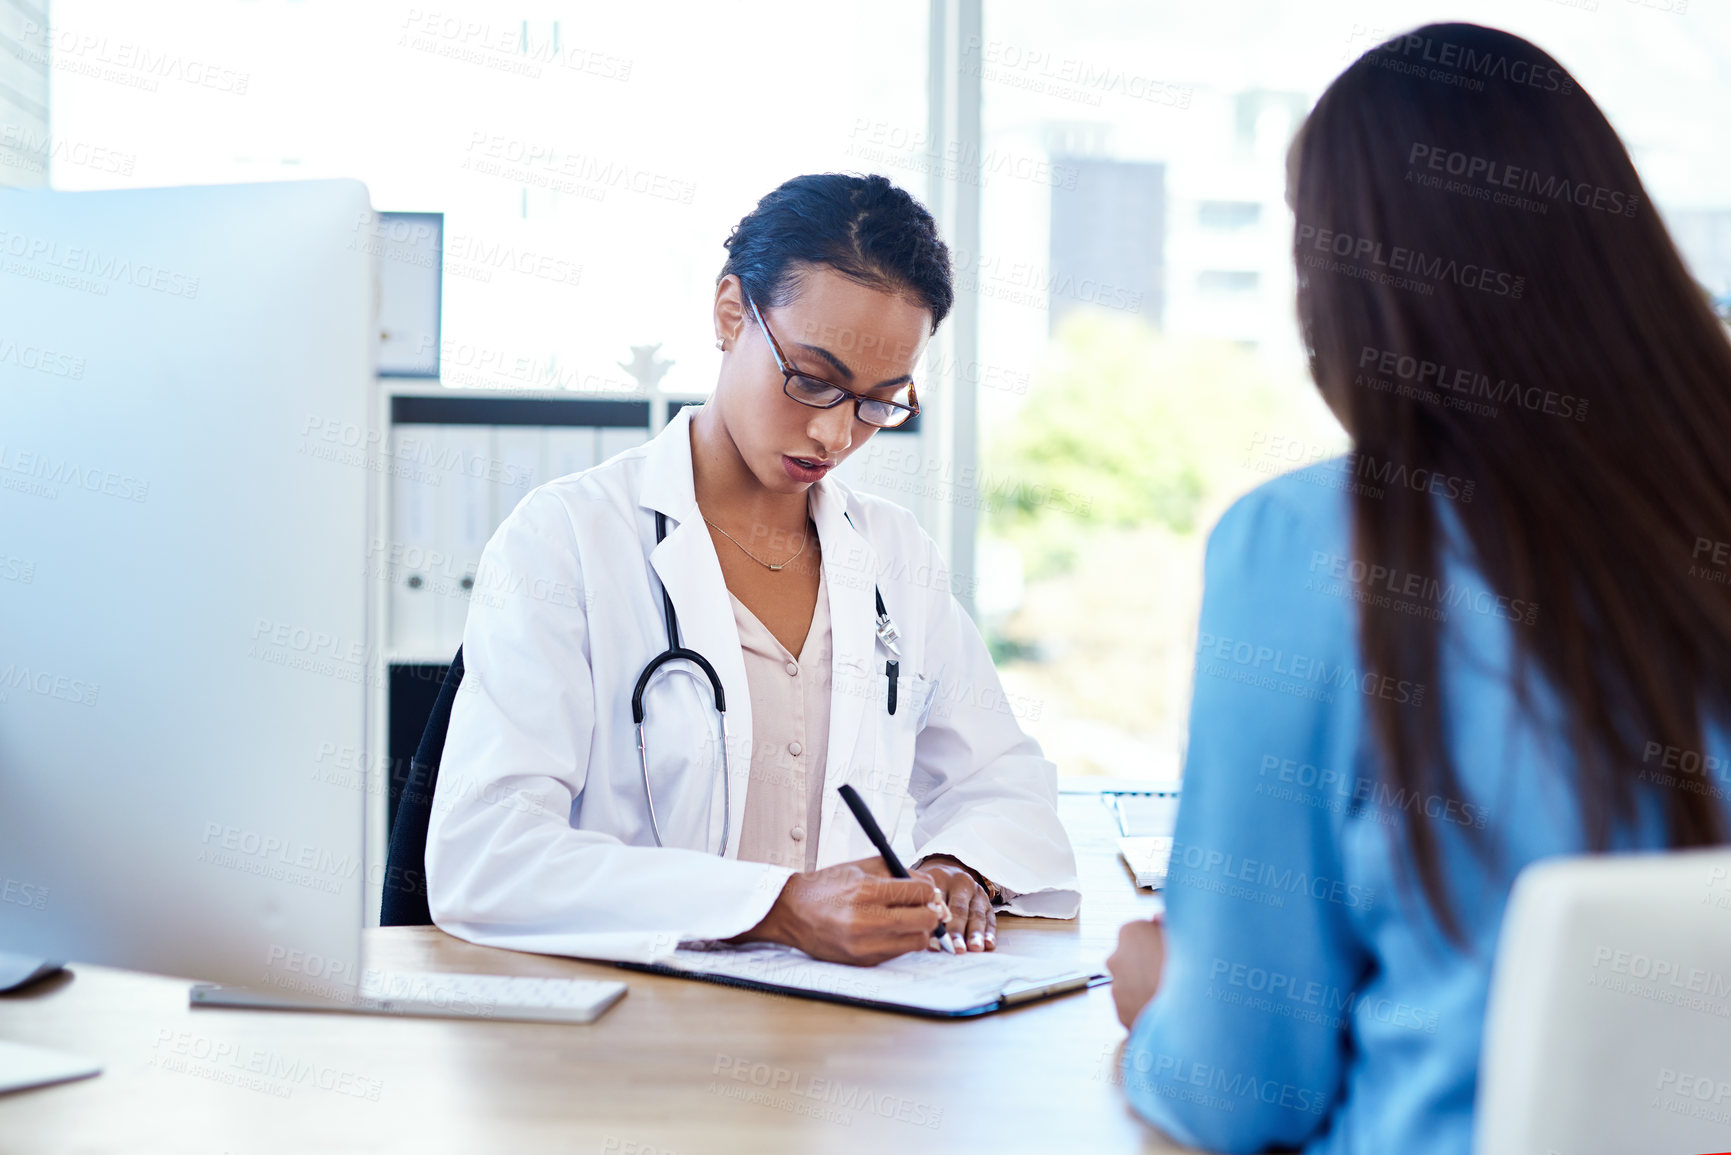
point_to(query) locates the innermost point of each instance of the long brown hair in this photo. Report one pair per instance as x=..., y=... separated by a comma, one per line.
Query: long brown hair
x=1507, y=307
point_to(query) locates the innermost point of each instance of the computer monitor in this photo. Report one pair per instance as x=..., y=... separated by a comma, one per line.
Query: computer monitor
x=189, y=424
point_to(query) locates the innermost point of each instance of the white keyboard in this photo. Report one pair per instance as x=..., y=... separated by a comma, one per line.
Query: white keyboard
x=439, y=995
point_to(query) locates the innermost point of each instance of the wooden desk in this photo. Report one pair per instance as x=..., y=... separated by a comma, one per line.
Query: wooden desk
x=676, y=1068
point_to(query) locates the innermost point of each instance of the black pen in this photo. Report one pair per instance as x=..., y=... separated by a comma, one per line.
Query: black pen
x=870, y=825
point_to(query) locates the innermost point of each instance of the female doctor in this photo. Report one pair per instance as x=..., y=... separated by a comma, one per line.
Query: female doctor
x=817, y=644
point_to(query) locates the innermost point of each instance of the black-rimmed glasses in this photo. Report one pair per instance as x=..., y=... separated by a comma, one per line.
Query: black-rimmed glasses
x=821, y=394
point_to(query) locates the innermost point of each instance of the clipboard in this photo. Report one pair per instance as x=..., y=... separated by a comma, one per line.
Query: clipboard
x=783, y=970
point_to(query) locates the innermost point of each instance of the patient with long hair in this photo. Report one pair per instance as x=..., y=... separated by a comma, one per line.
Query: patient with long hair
x=1480, y=639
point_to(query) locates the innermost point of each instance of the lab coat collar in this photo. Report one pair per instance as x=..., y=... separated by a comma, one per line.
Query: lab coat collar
x=668, y=485
x=689, y=570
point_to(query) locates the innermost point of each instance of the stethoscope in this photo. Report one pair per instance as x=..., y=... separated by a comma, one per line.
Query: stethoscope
x=886, y=633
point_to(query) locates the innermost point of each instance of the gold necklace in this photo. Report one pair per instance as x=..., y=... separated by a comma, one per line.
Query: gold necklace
x=805, y=539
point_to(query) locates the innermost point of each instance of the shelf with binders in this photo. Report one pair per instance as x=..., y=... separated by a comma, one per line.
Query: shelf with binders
x=459, y=466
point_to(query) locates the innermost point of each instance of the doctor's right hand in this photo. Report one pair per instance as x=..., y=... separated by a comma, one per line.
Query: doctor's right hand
x=853, y=912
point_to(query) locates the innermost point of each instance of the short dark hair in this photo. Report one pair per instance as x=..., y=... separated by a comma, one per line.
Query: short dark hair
x=863, y=227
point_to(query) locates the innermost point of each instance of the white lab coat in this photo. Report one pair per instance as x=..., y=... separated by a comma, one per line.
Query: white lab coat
x=540, y=837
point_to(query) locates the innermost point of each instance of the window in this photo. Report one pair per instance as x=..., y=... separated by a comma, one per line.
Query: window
x=1134, y=366
x=590, y=161
x=1228, y=215
x=1227, y=282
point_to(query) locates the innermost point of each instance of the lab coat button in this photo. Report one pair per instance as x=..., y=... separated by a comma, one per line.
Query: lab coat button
x=793, y=669
x=797, y=833
x=794, y=748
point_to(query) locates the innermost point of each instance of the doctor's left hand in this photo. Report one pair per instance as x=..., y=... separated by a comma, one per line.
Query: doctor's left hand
x=975, y=924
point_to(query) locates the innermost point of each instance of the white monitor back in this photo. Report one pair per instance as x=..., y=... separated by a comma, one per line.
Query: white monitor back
x=187, y=422
x=1609, y=1024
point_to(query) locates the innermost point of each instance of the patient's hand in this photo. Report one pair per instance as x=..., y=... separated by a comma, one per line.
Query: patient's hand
x=854, y=912
x=1136, y=966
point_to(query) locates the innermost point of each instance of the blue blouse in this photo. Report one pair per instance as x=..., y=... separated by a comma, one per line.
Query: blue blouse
x=1309, y=998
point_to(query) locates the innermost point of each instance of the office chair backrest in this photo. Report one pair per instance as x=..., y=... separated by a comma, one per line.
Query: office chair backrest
x=405, y=890
x=1608, y=1029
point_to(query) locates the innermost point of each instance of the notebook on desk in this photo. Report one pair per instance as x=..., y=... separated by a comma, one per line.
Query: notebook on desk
x=1147, y=859
x=1145, y=820
x=930, y=983
x=1144, y=813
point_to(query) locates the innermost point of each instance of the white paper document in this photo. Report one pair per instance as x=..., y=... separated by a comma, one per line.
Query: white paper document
x=934, y=982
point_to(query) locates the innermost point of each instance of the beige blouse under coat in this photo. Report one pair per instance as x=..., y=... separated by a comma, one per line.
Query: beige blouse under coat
x=790, y=738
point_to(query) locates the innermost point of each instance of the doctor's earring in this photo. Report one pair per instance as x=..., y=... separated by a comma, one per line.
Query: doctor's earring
x=720, y=344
